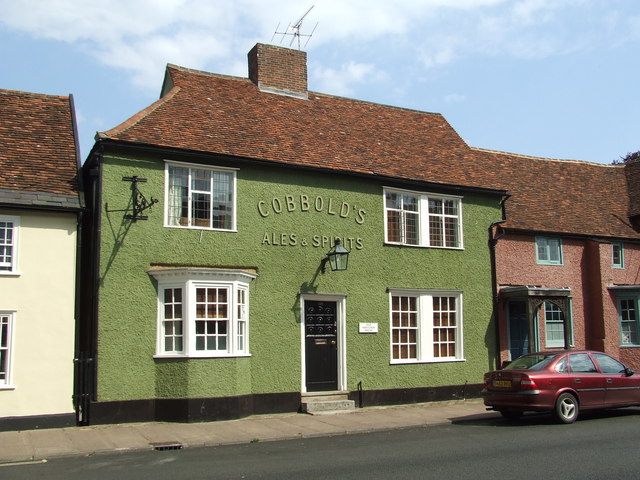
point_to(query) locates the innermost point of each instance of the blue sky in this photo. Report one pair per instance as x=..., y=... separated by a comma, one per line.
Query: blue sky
x=549, y=78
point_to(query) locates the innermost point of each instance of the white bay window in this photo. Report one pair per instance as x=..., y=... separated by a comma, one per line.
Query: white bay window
x=202, y=312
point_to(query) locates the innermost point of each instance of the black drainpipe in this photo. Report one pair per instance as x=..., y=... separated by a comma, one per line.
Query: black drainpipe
x=85, y=388
x=493, y=240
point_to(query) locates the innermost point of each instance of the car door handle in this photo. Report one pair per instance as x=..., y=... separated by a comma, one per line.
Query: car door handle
x=577, y=380
x=609, y=380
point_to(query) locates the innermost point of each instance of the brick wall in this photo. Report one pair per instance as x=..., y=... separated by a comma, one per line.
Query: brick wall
x=278, y=69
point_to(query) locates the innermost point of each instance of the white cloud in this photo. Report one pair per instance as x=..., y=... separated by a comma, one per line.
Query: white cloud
x=439, y=53
x=141, y=36
x=341, y=82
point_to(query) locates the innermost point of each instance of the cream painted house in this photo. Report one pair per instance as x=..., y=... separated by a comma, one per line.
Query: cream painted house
x=39, y=208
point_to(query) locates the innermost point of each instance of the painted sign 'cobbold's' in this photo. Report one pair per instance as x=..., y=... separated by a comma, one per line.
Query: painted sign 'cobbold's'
x=303, y=203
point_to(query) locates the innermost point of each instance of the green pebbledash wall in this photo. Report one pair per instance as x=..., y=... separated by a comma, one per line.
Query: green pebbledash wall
x=286, y=221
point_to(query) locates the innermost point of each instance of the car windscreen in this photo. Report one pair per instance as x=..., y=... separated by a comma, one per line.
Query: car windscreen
x=531, y=362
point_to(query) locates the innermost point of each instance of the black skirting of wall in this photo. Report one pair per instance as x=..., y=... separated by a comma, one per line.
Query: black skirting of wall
x=400, y=396
x=192, y=409
x=37, y=422
x=189, y=410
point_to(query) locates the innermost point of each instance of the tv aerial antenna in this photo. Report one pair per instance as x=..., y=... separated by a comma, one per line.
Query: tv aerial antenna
x=294, y=31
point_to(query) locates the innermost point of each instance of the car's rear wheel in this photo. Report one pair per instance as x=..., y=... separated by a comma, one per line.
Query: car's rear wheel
x=566, y=408
x=511, y=414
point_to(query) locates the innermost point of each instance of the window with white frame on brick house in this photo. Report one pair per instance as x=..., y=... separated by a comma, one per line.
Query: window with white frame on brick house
x=617, y=255
x=628, y=318
x=422, y=219
x=198, y=196
x=426, y=326
x=554, y=325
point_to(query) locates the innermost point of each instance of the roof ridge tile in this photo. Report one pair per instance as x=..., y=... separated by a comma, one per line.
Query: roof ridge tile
x=534, y=157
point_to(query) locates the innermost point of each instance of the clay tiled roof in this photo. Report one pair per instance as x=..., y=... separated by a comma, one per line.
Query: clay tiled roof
x=218, y=114
x=231, y=116
x=562, y=196
x=38, y=154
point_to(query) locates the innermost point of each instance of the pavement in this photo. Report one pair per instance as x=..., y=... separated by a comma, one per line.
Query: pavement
x=40, y=445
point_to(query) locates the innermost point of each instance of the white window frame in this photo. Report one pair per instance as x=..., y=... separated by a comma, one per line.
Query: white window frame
x=189, y=280
x=192, y=167
x=544, y=249
x=425, y=340
x=10, y=267
x=620, y=262
x=629, y=327
x=7, y=328
x=424, y=216
x=548, y=315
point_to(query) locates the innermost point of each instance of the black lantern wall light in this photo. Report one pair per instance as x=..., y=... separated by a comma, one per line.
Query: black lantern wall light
x=338, y=258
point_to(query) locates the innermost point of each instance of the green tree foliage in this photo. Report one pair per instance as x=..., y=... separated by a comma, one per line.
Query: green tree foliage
x=629, y=157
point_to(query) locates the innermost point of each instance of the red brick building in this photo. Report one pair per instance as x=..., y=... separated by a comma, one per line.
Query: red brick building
x=567, y=257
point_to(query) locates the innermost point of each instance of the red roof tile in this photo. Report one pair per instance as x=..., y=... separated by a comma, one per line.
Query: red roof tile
x=225, y=115
x=37, y=144
x=231, y=116
x=563, y=196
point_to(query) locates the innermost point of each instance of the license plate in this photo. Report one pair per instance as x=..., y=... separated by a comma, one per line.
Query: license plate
x=502, y=383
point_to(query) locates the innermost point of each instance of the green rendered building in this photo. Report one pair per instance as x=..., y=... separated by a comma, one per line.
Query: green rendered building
x=209, y=291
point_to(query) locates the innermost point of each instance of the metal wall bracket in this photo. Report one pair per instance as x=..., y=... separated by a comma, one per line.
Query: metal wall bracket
x=138, y=200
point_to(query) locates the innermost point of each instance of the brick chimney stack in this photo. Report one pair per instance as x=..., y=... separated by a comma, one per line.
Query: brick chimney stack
x=279, y=70
x=632, y=172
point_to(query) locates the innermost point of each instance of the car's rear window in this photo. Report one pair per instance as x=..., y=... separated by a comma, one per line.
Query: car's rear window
x=531, y=362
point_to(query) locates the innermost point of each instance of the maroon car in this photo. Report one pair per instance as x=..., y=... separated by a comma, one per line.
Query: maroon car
x=561, y=382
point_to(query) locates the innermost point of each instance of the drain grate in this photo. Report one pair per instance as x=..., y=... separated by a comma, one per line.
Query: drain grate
x=162, y=446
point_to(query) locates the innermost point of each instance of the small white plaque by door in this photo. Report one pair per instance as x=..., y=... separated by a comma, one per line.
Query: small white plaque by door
x=368, y=327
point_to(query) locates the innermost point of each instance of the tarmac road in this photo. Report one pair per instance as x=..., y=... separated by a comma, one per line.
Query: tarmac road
x=599, y=445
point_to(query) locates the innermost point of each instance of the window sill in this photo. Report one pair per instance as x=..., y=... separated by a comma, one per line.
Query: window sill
x=391, y=244
x=188, y=357
x=206, y=229
x=7, y=387
x=414, y=362
x=4, y=273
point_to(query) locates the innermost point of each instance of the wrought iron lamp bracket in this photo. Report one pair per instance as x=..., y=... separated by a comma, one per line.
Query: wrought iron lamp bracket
x=138, y=201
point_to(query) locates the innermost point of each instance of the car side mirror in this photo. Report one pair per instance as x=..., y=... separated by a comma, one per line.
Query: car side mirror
x=628, y=372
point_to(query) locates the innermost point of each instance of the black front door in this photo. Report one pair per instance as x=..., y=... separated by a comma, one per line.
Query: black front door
x=321, y=346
